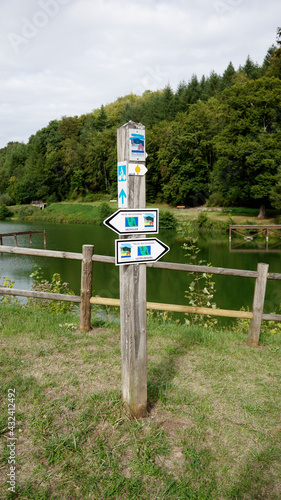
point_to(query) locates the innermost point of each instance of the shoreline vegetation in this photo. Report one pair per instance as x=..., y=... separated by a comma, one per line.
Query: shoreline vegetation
x=213, y=425
x=202, y=218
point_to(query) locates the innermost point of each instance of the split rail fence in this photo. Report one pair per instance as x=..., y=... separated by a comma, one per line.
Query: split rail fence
x=85, y=299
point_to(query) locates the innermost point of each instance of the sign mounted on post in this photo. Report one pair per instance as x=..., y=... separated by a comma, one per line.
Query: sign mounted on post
x=137, y=169
x=122, y=177
x=137, y=144
x=139, y=251
x=137, y=221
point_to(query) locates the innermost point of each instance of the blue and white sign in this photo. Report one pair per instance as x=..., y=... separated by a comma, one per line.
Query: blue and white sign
x=137, y=144
x=134, y=221
x=122, y=178
x=139, y=251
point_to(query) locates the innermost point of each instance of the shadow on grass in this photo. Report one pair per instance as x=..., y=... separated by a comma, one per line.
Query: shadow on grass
x=160, y=375
x=159, y=380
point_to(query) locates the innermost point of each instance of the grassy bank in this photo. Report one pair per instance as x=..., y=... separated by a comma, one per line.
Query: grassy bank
x=96, y=212
x=212, y=431
x=72, y=213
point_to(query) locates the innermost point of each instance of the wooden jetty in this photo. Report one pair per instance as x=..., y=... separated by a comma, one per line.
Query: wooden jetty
x=250, y=231
x=20, y=233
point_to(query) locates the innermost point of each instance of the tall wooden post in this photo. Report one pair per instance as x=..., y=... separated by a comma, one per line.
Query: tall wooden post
x=86, y=287
x=133, y=299
x=258, y=303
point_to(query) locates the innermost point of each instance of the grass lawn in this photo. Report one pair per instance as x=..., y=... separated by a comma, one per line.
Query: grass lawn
x=89, y=213
x=213, y=429
x=69, y=212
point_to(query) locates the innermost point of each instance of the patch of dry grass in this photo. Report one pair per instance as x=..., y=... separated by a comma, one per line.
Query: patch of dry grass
x=212, y=432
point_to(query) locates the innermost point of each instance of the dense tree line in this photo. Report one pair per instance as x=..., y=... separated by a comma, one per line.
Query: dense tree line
x=216, y=139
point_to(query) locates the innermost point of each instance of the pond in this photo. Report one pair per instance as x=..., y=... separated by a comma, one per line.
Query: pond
x=162, y=285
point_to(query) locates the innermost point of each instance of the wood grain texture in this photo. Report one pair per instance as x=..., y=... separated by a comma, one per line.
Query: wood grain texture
x=86, y=287
x=258, y=303
x=132, y=280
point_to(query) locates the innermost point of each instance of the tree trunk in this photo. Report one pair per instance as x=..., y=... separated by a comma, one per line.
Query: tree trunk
x=262, y=212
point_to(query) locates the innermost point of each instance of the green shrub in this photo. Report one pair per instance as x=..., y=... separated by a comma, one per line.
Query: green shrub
x=167, y=220
x=25, y=211
x=201, y=290
x=40, y=284
x=52, y=199
x=104, y=212
x=5, y=199
x=7, y=283
x=202, y=219
x=5, y=212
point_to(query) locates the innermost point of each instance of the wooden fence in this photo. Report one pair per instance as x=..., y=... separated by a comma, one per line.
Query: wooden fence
x=87, y=257
x=21, y=233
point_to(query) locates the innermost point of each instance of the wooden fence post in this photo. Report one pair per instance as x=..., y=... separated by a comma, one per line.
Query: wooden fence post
x=133, y=299
x=258, y=303
x=86, y=287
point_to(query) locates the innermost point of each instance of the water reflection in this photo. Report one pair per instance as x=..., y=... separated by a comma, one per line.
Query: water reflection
x=162, y=285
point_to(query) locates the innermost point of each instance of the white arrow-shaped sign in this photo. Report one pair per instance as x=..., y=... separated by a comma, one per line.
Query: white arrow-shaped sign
x=139, y=251
x=141, y=221
x=137, y=169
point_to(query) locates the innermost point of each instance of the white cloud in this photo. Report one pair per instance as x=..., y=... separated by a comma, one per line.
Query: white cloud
x=67, y=57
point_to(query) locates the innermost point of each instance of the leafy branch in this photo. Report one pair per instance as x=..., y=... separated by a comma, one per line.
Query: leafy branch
x=201, y=290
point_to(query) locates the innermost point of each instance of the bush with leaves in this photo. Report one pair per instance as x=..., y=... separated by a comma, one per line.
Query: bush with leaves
x=5, y=199
x=167, y=220
x=104, y=212
x=267, y=327
x=40, y=284
x=201, y=290
x=5, y=212
x=7, y=283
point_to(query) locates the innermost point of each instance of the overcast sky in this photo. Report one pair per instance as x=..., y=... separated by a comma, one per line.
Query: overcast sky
x=67, y=57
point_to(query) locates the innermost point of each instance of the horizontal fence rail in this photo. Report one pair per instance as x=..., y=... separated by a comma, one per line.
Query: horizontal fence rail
x=15, y=235
x=35, y=252
x=157, y=306
x=40, y=295
x=87, y=257
x=172, y=266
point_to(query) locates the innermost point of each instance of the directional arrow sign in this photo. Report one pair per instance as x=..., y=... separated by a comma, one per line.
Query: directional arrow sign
x=139, y=251
x=134, y=221
x=137, y=169
x=122, y=197
x=122, y=178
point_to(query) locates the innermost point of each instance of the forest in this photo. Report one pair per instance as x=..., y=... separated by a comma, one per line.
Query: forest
x=215, y=140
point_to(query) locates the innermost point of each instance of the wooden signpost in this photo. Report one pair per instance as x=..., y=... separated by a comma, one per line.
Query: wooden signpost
x=132, y=278
x=132, y=221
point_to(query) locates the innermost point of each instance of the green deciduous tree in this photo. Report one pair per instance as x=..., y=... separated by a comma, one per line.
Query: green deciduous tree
x=247, y=148
x=275, y=195
x=186, y=154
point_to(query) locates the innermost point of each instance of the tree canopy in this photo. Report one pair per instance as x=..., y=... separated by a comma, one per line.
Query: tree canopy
x=216, y=139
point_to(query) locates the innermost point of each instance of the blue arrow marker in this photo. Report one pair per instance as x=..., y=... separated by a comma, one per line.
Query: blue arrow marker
x=122, y=195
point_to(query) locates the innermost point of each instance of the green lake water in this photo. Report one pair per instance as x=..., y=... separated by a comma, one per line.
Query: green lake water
x=162, y=285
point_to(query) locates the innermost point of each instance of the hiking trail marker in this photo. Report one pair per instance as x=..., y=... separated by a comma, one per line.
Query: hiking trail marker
x=137, y=169
x=122, y=178
x=135, y=221
x=132, y=253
